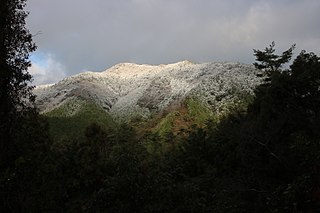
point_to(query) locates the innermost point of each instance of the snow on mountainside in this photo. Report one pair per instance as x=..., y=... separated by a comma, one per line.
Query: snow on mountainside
x=131, y=88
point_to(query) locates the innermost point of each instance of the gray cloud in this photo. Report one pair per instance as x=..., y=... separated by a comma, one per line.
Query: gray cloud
x=96, y=34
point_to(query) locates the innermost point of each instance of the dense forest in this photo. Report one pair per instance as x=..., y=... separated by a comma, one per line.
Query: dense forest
x=263, y=157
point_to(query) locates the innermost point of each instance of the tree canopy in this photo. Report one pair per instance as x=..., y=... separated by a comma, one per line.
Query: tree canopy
x=264, y=159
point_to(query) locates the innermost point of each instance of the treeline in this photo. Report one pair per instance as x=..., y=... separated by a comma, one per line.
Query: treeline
x=262, y=160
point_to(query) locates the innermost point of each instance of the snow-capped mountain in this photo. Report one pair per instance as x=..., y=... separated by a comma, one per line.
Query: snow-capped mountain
x=131, y=88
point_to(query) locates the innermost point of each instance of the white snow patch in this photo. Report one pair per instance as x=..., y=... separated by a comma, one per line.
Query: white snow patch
x=128, y=88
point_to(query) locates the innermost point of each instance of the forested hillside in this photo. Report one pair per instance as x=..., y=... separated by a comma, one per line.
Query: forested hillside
x=261, y=158
x=262, y=155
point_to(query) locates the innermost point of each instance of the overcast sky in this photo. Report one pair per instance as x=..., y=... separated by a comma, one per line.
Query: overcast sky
x=82, y=35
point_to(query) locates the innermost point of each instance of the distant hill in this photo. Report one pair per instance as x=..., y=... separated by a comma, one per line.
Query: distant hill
x=127, y=89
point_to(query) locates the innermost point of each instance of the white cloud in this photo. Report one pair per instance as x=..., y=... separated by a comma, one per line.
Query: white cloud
x=47, y=70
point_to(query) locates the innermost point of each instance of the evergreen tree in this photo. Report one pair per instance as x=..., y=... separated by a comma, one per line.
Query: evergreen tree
x=15, y=92
x=271, y=63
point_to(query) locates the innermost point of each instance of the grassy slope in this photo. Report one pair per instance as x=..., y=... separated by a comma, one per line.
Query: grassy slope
x=67, y=123
x=70, y=120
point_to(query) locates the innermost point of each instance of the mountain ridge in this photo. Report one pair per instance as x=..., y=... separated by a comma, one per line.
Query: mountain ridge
x=129, y=88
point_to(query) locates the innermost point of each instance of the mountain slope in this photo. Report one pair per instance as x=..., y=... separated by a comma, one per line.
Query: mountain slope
x=70, y=119
x=129, y=89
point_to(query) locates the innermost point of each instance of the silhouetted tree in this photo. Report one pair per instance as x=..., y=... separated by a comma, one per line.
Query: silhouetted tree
x=271, y=63
x=15, y=93
x=280, y=138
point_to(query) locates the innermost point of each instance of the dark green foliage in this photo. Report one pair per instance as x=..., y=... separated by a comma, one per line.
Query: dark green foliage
x=19, y=182
x=76, y=124
x=265, y=159
x=262, y=160
x=280, y=138
x=23, y=134
x=271, y=63
x=15, y=96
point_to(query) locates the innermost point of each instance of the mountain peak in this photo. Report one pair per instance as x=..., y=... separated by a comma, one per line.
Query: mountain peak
x=129, y=88
x=185, y=62
x=133, y=67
